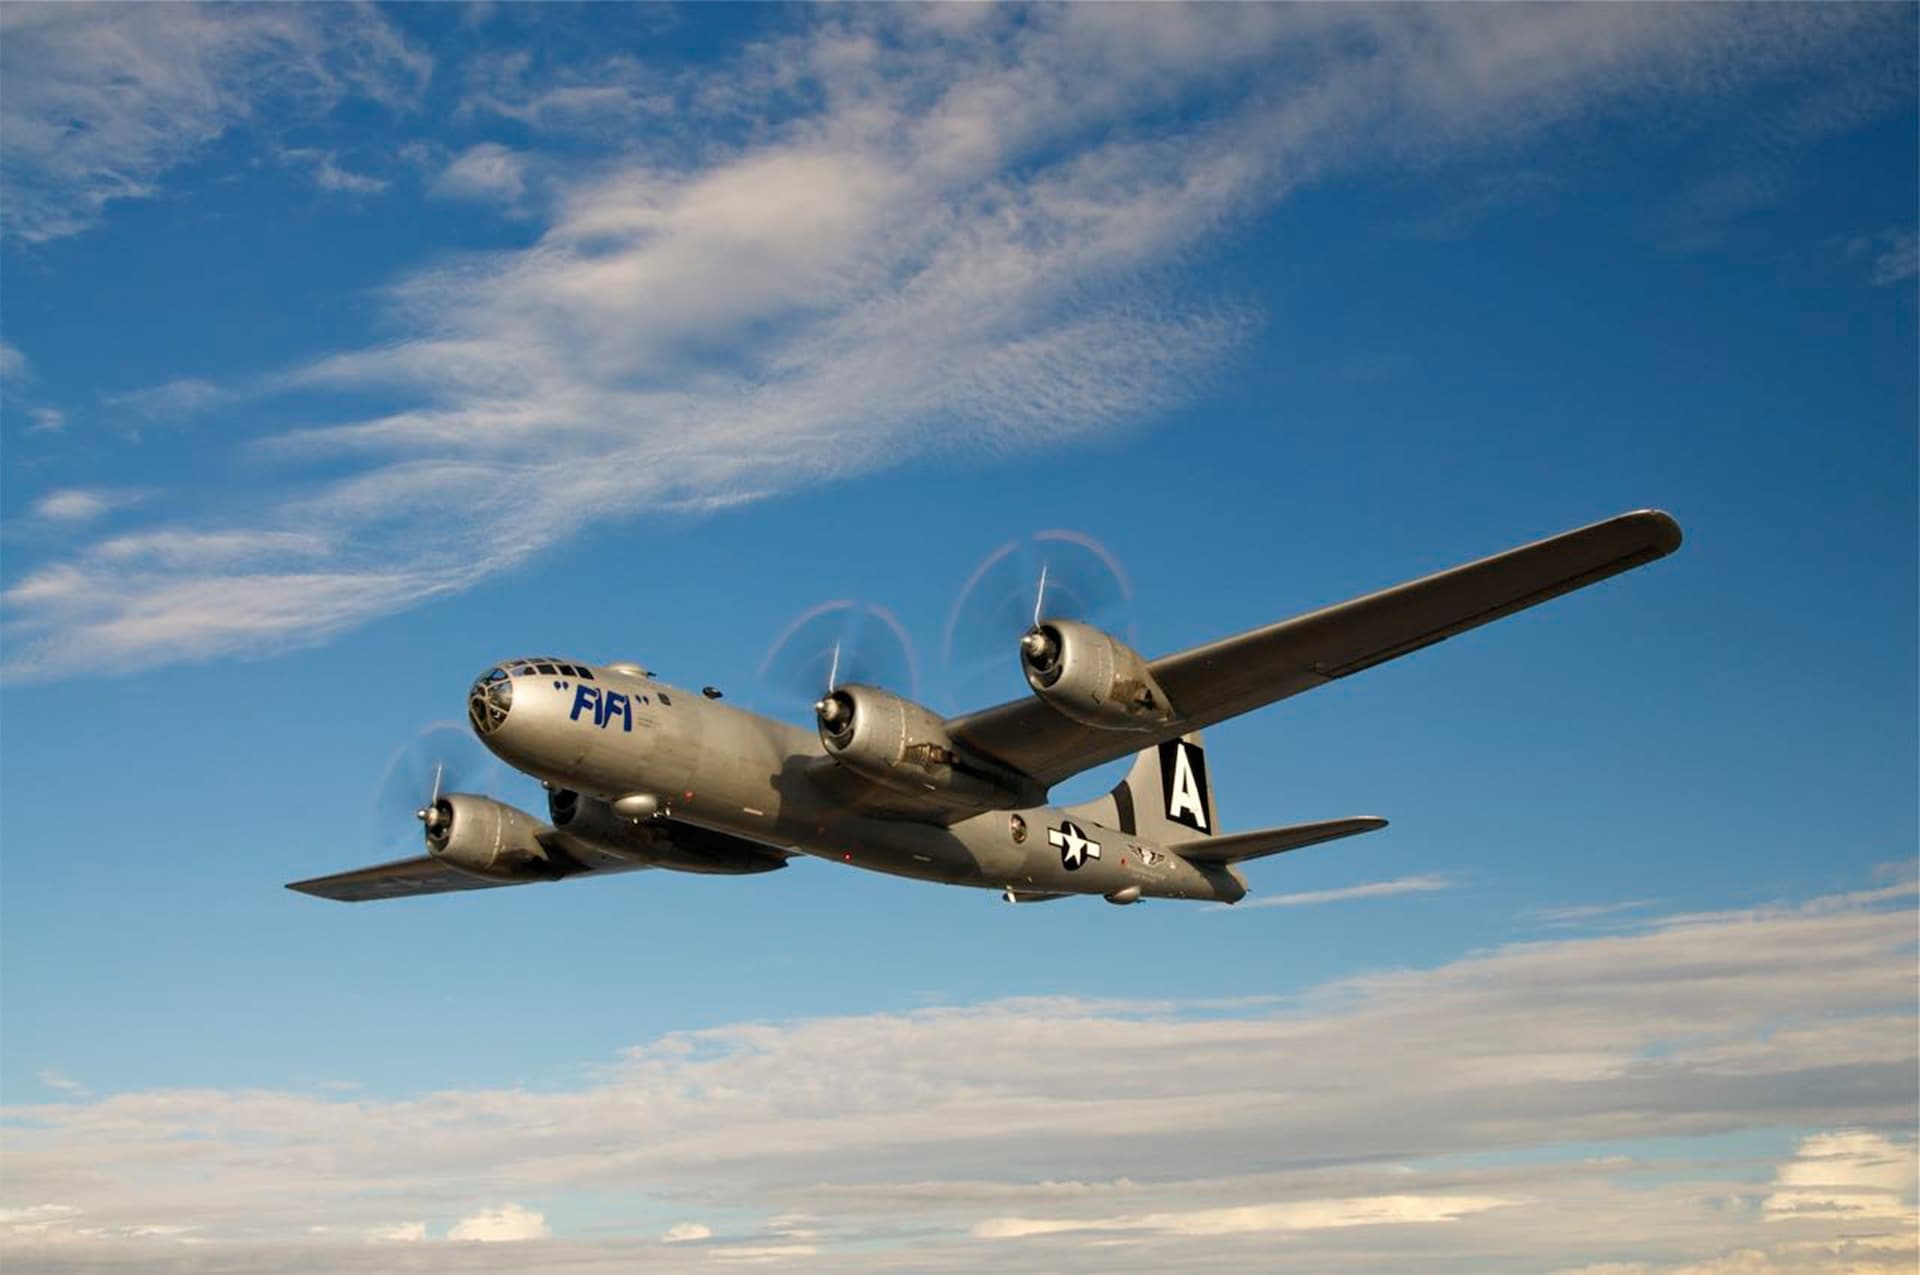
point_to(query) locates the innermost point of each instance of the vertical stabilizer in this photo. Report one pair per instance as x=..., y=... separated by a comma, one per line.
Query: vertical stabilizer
x=1167, y=794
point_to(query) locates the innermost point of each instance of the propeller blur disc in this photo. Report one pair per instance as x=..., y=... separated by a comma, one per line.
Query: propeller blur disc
x=837, y=643
x=445, y=752
x=1055, y=574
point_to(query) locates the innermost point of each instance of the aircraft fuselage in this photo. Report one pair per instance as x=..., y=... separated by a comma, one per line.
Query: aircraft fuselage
x=621, y=737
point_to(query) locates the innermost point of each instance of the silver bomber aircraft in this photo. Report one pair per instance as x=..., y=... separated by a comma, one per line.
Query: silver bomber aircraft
x=645, y=775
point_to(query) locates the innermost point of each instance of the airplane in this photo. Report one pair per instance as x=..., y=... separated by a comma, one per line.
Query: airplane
x=641, y=774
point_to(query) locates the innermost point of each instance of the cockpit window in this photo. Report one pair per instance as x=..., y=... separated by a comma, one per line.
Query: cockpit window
x=538, y=666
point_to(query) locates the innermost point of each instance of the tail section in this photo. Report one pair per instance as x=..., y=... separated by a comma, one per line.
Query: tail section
x=1166, y=795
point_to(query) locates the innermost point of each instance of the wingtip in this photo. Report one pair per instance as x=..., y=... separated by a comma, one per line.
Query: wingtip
x=1662, y=529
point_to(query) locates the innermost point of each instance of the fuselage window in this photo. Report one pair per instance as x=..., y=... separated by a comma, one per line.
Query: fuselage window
x=665, y=700
x=547, y=669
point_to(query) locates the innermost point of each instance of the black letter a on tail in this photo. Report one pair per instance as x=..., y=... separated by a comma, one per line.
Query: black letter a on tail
x=1183, y=781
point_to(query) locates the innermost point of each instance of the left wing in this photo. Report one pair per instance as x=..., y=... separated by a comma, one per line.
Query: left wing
x=1223, y=679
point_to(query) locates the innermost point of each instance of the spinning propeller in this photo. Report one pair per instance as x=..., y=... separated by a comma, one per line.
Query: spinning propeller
x=1051, y=575
x=444, y=758
x=830, y=645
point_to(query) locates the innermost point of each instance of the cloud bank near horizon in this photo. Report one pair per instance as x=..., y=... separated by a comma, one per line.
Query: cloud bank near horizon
x=1495, y=1113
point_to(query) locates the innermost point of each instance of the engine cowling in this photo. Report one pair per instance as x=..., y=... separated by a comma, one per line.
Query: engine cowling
x=904, y=746
x=1092, y=677
x=488, y=839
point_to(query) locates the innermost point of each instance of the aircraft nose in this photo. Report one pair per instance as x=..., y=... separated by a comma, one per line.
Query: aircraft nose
x=490, y=700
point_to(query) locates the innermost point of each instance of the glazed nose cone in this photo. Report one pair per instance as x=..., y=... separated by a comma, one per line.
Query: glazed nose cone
x=489, y=702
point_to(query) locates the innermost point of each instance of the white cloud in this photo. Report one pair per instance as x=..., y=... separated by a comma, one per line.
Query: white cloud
x=81, y=504
x=608, y=93
x=683, y=1232
x=398, y=1233
x=47, y=420
x=35, y=1220
x=1421, y=884
x=173, y=400
x=13, y=364
x=173, y=547
x=758, y=1254
x=329, y=173
x=487, y=171
x=1438, y=1119
x=100, y=102
x=1303, y=1215
x=1581, y=913
x=1899, y=260
x=53, y=1079
x=1849, y=1174
x=508, y=1224
x=935, y=226
x=1894, y=255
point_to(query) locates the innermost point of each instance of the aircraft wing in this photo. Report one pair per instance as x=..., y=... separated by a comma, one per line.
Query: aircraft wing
x=397, y=880
x=694, y=849
x=1223, y=679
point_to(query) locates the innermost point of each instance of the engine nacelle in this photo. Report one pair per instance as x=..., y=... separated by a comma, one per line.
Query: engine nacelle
x=1092, y=678
x=901, y=745
x=488, y=839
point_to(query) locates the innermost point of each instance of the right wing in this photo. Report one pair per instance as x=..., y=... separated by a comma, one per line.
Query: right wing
x=1223, y=679
x=692, y=849
x=400, y=879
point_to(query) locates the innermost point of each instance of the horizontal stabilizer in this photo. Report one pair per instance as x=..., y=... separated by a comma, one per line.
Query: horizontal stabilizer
x=1256, y=845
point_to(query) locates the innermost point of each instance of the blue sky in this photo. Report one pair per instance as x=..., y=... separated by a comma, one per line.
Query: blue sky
x=348, y=350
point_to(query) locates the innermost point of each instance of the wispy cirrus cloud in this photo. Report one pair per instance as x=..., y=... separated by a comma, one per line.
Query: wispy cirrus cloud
x=1582, y=913
x=98, y=102
x=1439, y=1118
x=911, y=227
x=1423, y=883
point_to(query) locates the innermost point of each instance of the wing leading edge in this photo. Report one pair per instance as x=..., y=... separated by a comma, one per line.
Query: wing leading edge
x=1223, y=679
